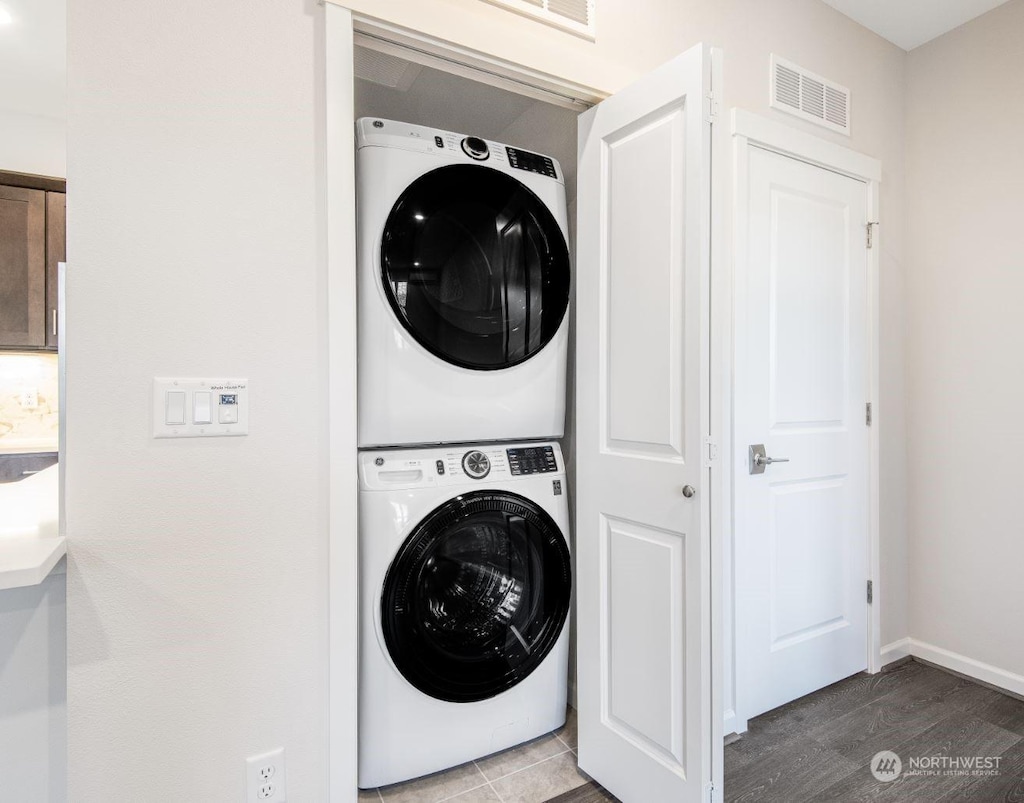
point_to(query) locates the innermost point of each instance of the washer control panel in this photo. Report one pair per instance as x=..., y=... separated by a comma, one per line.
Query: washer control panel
x=532, y=460
x=468, y=465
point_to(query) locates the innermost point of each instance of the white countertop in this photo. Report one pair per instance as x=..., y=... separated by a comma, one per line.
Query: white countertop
x=30, y=541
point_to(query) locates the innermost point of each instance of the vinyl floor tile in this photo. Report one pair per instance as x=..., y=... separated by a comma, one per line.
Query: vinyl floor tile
x=541, y=782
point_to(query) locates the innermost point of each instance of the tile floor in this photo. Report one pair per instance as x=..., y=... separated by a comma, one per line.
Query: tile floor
x=531, y=773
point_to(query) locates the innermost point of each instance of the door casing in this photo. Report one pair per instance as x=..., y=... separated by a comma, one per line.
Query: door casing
x=748, y=130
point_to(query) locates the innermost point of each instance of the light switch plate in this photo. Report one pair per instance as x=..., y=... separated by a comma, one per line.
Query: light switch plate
x=234, y=393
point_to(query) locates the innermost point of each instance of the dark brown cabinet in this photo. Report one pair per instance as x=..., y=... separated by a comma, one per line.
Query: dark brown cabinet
x=32, y=243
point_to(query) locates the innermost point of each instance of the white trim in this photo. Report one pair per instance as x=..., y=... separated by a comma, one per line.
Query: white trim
x=719, y=473
x=343, y=603
x=480, y=67
x=895, y=651
x=749, y=129
x=733, y=724
x=961, y=664
x=782, y=138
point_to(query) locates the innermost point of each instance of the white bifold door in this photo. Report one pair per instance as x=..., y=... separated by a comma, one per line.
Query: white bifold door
x=642, y=527
x=801, y=526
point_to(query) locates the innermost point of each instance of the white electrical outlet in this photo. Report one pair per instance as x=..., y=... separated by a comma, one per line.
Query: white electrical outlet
x=266, y=779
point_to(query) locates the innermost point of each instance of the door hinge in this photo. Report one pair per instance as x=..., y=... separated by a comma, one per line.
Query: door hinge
x=710, y=108
x=710, y=452
x=867, y=414
x=711, y=793
x=871, y=233
x=871, y=592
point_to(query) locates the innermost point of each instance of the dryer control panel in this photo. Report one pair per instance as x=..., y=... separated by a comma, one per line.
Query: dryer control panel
x=534, y=162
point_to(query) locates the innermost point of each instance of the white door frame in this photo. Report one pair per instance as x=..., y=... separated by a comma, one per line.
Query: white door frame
x=747, y=130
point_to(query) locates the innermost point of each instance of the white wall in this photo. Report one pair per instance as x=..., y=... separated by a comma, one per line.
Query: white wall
x=197, y=587
x=197, y=579
x=965, y=282
x=33, y=711
x=32, y=143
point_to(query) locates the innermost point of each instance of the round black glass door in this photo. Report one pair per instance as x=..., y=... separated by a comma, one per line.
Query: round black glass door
x=477, y=596
x=475, y=267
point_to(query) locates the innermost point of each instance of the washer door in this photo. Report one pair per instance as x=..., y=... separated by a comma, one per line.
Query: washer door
x=475, y=267
x=477, y=596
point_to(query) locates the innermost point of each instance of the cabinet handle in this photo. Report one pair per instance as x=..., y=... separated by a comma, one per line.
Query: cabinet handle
x=55, y=322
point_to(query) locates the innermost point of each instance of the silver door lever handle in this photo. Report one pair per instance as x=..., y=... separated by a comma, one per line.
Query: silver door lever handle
x=767, y=461
x=759, y=459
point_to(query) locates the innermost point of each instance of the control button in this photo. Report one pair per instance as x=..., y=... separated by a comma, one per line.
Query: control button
x=475, y=148
x=476, y=465
x=227, y=413
x=440, y=466
x=174, y=407
x=201, y=407
x=439, y=142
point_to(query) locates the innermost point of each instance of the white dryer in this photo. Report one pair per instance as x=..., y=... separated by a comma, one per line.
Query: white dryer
x=464, y=284
x=465, y=583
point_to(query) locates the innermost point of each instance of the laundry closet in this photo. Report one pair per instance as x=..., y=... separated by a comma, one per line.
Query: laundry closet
x=464, y=197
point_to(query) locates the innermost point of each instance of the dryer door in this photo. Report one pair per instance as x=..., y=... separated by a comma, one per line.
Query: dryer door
x=477, y=596
x=475, y=267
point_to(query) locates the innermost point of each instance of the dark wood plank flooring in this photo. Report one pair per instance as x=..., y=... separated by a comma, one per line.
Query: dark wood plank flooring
x=819, y=748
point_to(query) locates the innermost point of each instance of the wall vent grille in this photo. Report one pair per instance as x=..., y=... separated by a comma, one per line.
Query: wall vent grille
x=804, y=94
x=574, y=16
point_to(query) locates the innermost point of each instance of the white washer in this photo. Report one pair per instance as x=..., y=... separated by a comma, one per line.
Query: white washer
x=465, y=583
x=464, y=284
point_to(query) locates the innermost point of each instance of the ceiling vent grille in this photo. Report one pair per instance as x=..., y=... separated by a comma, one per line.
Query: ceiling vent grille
x=574, y=16
x=801, y=92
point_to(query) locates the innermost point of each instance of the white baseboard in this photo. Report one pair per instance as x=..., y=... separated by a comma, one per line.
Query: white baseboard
x=896, y=651
x=733, y=724
x=961, y=664
x=978, y=670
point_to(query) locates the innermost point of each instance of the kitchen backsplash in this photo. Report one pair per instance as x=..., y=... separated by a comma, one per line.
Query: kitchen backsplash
x=28, y=402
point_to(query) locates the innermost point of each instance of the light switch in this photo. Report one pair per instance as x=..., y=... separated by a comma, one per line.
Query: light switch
x=188, y=407
x=174, y=408
x=201, y=407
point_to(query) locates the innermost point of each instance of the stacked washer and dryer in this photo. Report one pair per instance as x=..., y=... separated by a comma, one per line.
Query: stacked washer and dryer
x=465, y=566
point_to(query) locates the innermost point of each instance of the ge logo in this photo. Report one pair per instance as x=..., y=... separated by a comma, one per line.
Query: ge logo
x=379, y=461
x=886, y=766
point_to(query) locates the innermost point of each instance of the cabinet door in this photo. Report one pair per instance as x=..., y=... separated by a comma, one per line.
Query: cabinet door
x=56, y=252
x=22, y=267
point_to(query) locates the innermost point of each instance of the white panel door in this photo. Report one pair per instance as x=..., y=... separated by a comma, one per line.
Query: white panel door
x=800, y=391
x=643, y=552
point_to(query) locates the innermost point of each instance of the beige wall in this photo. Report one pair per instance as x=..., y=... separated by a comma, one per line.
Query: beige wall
x=198, y=573
x=965, y=283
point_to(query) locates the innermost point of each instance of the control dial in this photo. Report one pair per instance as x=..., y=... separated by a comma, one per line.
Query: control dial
x=476, y=464
x=475, y=148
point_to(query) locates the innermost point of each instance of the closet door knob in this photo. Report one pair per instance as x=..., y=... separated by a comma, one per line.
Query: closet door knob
x=689, y=491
